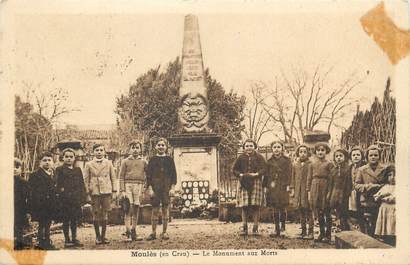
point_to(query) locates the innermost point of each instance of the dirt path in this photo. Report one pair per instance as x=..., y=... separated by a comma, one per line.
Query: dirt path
x=195, y=234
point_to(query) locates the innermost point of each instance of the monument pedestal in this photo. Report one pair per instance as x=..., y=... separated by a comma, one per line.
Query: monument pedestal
x=196, y=159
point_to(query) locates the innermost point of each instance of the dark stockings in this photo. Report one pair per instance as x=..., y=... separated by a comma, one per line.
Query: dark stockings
x=255, y=211
x=325, y=223
x=370, y=223
x=103, y=229
x=306, y=216
x=18, y=236
x=245, y=211
x=44, y=231
x=67, y=224
x=97, y=230
x=102, y=221
x=279, y=216
x=343, y=215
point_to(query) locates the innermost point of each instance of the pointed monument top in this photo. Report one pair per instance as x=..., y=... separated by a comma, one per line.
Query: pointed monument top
x=193, y=114
x=191, y=23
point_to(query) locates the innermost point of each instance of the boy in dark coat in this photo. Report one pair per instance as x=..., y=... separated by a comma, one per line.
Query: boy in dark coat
x=72, y=195
x=43, y=199
x=340, y=187
x=21, y=193
x=279, y=170
x=161, y=179
x=301, y=172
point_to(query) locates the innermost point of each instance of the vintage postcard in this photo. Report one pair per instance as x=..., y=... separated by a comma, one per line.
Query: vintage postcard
x=204, y=132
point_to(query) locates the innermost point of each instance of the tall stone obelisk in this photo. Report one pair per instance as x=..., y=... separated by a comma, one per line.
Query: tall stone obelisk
x=195, y=147
x=193, y=112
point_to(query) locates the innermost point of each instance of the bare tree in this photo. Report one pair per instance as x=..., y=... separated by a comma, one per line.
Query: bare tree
x=51, y=104
x=36, y=120
x=258, y=121
x=301, y=102
x=281, y=113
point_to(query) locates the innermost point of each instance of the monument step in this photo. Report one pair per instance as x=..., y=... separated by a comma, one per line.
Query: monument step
x=356, y=239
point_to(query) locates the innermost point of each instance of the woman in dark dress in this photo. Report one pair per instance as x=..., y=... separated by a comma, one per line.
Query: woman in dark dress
x=72, y=195
x=42, y=199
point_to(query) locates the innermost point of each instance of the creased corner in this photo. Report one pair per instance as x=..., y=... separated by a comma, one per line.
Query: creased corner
x=23, y=257
x=394, y=41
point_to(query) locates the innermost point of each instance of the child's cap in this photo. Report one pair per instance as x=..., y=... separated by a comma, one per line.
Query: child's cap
x=68, y=149
x=300, y=146
x=323, y=144
x=341, y=150
x=17, y=162
x=97, y=145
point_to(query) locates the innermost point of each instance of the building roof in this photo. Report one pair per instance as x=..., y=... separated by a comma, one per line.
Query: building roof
x=65, y=134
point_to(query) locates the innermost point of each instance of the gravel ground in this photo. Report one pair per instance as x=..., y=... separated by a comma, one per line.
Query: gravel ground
x=195, y=234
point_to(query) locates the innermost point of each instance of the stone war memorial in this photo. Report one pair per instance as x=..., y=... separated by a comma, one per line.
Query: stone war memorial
x=195, y=146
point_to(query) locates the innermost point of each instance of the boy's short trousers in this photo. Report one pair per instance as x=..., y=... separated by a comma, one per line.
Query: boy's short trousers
x=160, y=197
x=133, y=192
x=100, y=203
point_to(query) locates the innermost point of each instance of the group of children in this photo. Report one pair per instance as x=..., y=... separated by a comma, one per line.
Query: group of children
x=319, y=187
x=59, y=194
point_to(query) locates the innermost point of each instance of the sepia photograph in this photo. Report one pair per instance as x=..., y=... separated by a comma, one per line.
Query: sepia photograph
x=202, y=130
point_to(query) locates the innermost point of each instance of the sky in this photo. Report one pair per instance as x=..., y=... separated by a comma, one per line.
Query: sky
x=97, y=55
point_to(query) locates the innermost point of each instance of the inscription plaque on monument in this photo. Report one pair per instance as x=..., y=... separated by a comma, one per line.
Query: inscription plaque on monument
x=197, y=164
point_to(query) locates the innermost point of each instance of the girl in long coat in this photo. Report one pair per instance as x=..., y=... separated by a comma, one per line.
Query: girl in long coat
x=358, y=160
x=318, y=188
x=42, y=199
x=279, y=170
x=340, y=187
x=301, y=172
x=249, y=168
x=369, y=179
x=72, y=195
